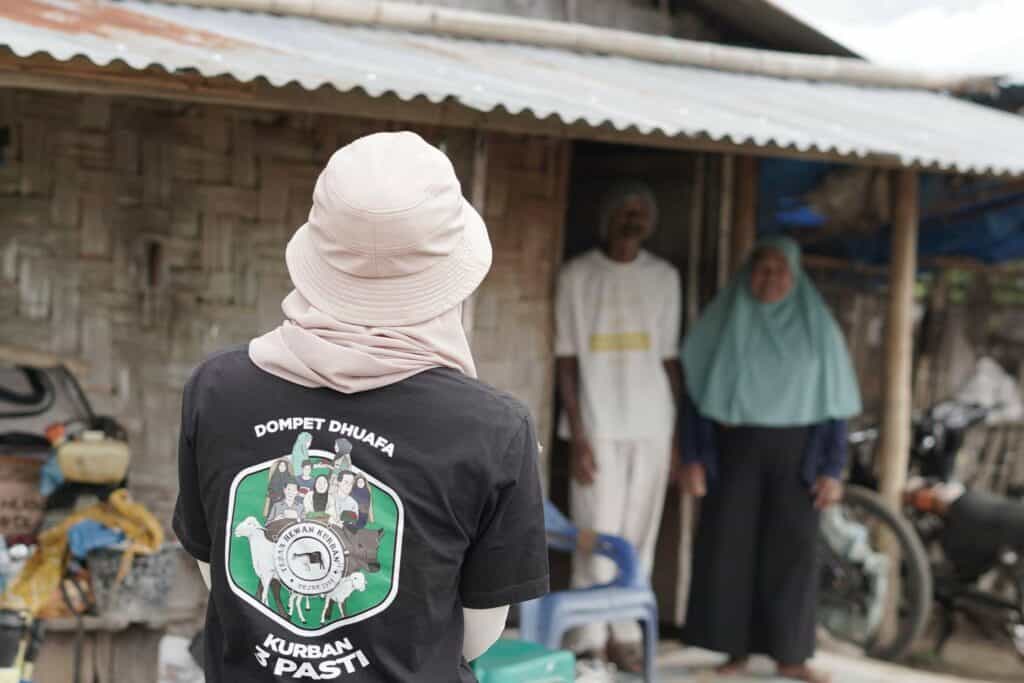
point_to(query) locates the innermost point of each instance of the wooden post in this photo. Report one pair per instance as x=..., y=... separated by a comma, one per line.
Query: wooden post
x=477, y=197
x=896, y=428
x=894, y=453
x=725, y=222
x=687, y=504
x=695, y=230
x=745, y=224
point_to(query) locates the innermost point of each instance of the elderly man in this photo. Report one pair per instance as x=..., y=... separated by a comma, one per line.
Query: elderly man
x=617, y=343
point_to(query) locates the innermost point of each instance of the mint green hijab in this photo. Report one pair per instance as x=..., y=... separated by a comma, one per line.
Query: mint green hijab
x=774, y=365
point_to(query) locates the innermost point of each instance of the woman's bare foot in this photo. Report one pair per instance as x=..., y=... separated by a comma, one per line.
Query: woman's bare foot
x=734, y=667
x=802, y=672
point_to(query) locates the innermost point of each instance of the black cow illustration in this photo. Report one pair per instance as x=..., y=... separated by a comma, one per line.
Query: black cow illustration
x=311, y=559
x=361, y=549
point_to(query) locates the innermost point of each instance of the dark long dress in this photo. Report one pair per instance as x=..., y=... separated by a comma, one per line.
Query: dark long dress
x=754, y=587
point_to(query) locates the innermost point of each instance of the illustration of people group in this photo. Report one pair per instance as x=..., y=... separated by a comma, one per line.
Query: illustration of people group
x=300, y=489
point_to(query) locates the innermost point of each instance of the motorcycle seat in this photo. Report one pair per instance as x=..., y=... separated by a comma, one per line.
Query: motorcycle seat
x=993, y=516
x=979, y=525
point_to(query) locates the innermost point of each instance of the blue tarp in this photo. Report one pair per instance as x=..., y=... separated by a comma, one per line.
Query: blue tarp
x=991, y=232
x=88, y=535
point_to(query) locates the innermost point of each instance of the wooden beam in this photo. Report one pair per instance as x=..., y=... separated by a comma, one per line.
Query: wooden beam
x=818, y=262
x=894, y=452
x=896, y=428
x=725, y=220
x=745, y=224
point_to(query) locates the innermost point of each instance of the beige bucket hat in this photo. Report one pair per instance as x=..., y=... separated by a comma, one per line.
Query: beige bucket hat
x=390, y=240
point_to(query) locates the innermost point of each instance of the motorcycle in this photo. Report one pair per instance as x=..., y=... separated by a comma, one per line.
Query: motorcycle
x=977, y=536
x=960, y=550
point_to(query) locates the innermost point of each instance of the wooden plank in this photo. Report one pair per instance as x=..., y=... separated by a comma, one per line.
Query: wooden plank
x=745, y=225
x=725, y=226
x=687, y=503
x=695, y=230
x=896, y=428
x=478, y=196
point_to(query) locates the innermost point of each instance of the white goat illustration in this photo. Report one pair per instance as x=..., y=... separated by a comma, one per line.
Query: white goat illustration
x=262, y=551
x=349, y=584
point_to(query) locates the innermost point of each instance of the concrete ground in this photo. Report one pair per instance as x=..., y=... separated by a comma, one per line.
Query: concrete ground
x=679, y=665
x=967, y=659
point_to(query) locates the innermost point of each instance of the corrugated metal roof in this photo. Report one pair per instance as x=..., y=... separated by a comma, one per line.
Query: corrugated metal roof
x=918, y=127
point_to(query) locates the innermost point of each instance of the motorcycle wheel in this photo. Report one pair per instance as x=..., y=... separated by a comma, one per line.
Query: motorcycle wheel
x=843, y=586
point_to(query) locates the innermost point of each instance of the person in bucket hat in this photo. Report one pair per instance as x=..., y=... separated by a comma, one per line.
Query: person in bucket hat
x=372, y=361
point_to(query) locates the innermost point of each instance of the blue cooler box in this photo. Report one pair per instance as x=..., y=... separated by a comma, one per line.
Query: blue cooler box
x=516, y=661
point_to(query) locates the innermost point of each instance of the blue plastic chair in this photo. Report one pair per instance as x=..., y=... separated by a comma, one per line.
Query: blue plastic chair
x=546, y=620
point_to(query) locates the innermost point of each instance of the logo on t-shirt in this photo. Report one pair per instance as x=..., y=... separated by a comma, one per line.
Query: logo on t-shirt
x=313, y=541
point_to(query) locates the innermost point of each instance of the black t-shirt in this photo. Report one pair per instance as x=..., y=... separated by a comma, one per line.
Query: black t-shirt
x=347, y=532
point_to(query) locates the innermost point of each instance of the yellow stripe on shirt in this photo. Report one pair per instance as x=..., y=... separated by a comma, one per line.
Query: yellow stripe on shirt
x=620, y=341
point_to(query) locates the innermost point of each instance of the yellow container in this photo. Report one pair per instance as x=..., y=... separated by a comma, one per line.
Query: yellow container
x=94, y=459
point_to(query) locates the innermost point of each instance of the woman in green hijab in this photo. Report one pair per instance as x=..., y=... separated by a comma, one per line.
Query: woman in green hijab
x=770, y=388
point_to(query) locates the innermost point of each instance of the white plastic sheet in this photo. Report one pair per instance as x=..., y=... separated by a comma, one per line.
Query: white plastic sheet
x=991, y=386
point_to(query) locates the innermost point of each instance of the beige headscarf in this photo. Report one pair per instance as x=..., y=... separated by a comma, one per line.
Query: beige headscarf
x=313, y=349
x=389, y=253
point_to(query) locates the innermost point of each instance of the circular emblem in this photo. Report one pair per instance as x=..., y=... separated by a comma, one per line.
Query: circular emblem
x=309, y=559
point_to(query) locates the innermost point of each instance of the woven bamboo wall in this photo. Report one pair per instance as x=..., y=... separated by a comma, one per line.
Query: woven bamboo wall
x=140, y=236
x=514, y=309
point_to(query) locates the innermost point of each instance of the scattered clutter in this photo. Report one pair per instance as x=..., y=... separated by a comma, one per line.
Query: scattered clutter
x=39, y=582
x=73, y=542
